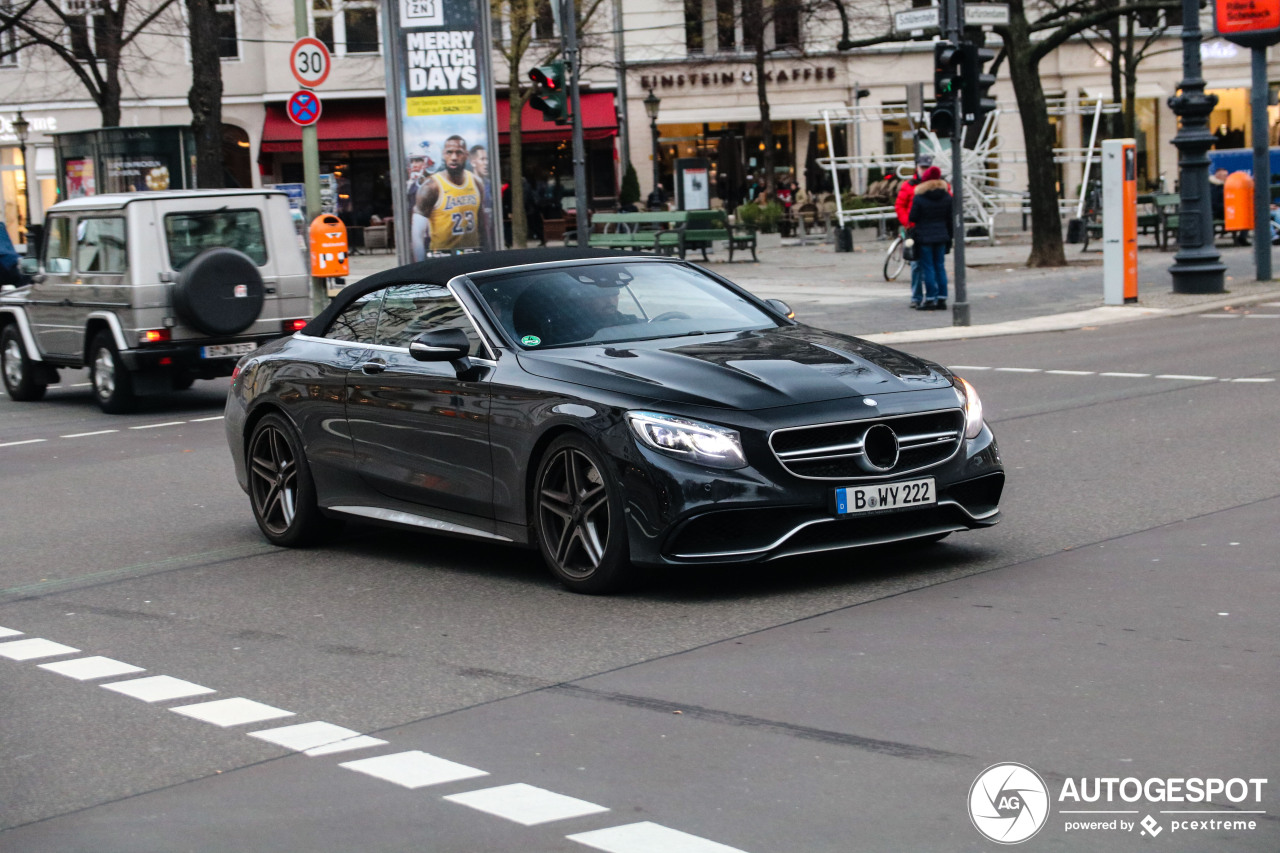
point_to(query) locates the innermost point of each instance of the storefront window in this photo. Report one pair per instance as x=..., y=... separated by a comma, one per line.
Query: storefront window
x=1229, y=121
x=12, y=186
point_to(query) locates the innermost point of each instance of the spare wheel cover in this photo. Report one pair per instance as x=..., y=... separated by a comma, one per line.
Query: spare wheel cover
x=219, y=292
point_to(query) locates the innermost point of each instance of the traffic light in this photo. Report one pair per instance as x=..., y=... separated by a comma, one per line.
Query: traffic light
x=946, y=70
x=942, y=119
x=976, y=100
x=550, y=96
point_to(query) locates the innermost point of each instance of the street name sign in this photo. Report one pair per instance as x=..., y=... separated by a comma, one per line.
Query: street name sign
x=975, y=15
x=310, y=62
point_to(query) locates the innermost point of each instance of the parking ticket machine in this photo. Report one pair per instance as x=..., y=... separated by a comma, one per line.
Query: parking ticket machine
x=1119, y=221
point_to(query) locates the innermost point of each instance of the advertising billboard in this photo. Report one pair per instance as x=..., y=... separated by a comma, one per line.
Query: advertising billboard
x=444, y=134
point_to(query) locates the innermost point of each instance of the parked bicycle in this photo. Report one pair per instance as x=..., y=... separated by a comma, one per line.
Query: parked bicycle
x=894, y=259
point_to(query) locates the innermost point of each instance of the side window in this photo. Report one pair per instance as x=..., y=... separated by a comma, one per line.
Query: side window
x=100, y=245
x=411, y=309
x=57, y=245
x=358, y=321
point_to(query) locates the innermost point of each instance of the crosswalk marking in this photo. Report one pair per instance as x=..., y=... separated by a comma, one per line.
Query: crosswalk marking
x=525, y=804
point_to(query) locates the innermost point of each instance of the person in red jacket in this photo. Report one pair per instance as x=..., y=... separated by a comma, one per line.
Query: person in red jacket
x=906, y=194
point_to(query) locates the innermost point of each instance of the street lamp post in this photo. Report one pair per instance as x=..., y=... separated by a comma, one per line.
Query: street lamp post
x=1197, y=266
x=20, y=128
x=651, y=104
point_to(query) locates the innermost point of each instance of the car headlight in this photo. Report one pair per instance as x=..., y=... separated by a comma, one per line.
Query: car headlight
x=694, y=441
x=972, y=408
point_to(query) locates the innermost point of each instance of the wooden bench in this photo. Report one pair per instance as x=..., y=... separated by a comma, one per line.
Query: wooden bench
x=666, y=232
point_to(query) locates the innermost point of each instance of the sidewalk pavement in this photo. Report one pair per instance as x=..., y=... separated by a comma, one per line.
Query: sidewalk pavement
x=847, y=292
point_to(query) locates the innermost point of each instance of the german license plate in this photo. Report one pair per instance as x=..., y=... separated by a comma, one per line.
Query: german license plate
x=852, y=500
x=224, y=350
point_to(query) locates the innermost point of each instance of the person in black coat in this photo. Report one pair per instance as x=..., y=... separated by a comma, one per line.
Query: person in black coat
x=931, y=214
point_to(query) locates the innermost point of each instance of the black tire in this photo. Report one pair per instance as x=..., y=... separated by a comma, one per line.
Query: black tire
x=18, y=369
x=281, y=490
x=219, y=292
x=112, y=384
x=578, y=518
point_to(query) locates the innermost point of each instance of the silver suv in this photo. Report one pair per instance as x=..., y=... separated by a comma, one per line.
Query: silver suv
x=152, y=291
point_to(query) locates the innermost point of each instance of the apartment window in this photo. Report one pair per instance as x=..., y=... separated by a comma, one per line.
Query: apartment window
x=786, y=23
x=8, y=59
x=752, y=23
x=726, y=38
x=693, y=26
x=87, y=27
x=228, y=37
x=347, y=26
x=544, y=25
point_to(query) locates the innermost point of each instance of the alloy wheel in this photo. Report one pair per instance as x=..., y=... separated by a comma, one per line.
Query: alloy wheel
x=573, y=509
x=273, y=480
x=104, y=373
x=12, y=363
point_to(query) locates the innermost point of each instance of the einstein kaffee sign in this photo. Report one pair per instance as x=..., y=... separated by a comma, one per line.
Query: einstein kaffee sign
x=444, y=138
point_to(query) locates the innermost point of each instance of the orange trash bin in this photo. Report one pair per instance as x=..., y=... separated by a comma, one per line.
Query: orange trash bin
x=1237, y=202
x=329, y=247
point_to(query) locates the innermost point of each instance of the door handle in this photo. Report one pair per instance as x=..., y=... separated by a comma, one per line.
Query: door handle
x=373, y=367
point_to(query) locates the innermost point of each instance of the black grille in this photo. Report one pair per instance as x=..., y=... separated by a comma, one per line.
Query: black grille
x=835, y=451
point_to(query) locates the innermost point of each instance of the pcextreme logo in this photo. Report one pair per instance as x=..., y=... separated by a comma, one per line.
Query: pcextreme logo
x=1009, y=803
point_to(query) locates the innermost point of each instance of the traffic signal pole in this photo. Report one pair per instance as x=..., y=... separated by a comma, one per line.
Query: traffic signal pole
x=569, y=42
x=953, y=26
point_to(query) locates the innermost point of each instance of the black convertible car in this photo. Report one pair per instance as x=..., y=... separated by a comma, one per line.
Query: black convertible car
x=611, y=410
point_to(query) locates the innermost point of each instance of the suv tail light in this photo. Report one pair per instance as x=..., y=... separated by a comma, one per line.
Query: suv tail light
x=291, y=326
x=154, y=336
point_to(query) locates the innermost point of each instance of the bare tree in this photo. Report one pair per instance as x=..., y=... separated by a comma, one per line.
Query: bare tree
x=1035, y=30
x=205, y=97
x=528, y=23
x=90, y=36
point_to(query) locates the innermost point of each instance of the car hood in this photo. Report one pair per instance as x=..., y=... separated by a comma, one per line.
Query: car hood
x=742, y=370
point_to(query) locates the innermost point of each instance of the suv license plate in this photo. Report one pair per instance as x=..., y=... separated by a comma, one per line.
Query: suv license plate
x=851, y=500
x=224, y=350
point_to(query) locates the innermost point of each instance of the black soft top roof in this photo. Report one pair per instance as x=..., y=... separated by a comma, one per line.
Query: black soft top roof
x=442, y=270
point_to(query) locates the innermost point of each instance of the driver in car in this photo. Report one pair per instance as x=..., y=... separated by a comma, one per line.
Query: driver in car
x=600, y=308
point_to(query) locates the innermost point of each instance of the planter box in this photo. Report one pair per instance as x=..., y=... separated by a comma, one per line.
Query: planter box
x=768, y=241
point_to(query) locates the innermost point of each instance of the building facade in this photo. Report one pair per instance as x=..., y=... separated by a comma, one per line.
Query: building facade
x=695, y=57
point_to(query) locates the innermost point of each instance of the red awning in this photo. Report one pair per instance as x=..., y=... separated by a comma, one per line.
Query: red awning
x=353, y=125
x=599, y=121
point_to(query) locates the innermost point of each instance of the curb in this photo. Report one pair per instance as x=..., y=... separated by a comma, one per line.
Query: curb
x=1100, y=316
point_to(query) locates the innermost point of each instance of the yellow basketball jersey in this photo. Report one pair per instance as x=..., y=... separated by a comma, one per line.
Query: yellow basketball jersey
x=455, y=219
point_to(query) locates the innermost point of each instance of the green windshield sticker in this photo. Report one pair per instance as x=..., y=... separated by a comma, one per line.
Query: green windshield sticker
x=531, y=340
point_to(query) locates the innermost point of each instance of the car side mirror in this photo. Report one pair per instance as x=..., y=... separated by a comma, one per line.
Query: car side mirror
x=29, y=266
x=440, y=345
x=781, y=307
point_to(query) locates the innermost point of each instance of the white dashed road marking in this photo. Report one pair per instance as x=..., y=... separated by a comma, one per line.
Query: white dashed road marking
x=87, y=434
x=1017, y=370
x=1127, y=375
x=1184, y=376
x=156, y=426
x=1255, y=379
x=33, y=648
x=305, y=736
x=361, y=742
x=520, y=803
x=1070, y=372
x=525, y=804
x=158, y=688
x=86, y=669
x=414, y=769
x=28, y=441
x=232, y=712
x=647, y=837
x=202, y=420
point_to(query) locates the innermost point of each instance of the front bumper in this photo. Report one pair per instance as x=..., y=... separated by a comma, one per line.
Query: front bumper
x=679, y=514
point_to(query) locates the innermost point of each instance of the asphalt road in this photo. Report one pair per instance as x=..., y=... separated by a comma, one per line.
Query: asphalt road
x=1118, y=623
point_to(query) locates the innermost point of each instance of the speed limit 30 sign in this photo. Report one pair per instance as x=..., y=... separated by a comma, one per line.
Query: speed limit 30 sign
x=309, y=61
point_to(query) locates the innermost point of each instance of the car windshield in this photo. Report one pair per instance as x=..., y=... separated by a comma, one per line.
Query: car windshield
x=615, y=302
